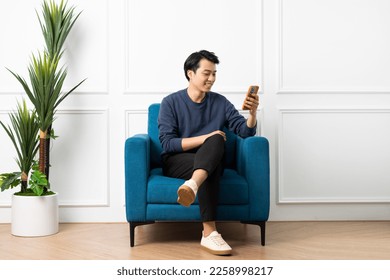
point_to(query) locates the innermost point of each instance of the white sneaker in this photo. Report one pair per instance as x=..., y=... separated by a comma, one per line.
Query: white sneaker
x=186, y=194
x=215, y=244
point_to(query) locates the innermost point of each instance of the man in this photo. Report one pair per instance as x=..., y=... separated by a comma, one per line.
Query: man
x=191, y=123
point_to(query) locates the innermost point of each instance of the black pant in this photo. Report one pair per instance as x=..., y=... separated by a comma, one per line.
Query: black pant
x=209, y=157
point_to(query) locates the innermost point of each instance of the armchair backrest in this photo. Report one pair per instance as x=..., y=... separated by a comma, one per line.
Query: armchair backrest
x=155, y=145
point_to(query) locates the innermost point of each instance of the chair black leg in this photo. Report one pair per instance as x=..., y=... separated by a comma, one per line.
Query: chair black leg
x=133, y=225
x=262, y=229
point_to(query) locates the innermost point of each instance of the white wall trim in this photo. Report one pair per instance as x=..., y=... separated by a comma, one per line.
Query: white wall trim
x=336, y=91
x=285, y=90
x=128, y=115
x=86, y=91
x=128, y=89
x=282, y=112
x=105, y=200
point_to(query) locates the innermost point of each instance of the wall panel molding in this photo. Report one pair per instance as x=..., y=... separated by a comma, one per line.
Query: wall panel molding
x=135, y=122
x=5, y=197
x=323, y=157
x=73, y=53
x=87, y=162
x=256, y=38
x=344, y=18
x=59, y=173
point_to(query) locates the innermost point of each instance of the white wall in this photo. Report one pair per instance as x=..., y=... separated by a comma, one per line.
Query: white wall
x=323, y=69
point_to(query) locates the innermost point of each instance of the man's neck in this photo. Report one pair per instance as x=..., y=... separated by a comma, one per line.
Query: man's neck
x=195, y=95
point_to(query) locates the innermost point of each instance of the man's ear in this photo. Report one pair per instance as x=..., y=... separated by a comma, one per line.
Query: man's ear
x=190, y=73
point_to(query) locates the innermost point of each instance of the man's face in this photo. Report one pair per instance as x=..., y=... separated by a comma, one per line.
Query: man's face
x=204, y=77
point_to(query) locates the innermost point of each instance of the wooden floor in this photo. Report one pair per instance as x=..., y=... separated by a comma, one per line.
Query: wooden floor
x=284, y=241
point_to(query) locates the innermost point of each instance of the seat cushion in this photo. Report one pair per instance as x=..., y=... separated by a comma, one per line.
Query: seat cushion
x=162, y=190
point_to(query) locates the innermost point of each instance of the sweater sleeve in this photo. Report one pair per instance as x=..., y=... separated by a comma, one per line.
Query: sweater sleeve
x=168, y=128
x=237, y=123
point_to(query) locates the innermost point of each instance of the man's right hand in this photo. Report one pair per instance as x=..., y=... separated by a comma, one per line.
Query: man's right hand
x=220, y=132
x=195, y=142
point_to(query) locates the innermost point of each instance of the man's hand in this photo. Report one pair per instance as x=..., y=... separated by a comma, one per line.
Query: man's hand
x=194, y=142
x=223, y=134
x=252, y=102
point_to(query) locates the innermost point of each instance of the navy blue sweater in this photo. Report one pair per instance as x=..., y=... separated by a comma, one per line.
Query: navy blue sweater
x=180, y=117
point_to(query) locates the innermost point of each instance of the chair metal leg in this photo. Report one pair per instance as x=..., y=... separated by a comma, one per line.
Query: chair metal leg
x=133, y=225
x=261, y=224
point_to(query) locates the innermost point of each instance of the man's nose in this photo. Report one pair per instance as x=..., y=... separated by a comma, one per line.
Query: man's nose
x=211, y=78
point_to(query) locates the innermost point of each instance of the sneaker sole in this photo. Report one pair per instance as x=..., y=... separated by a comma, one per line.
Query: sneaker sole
x=186, y=196
x=218, y=253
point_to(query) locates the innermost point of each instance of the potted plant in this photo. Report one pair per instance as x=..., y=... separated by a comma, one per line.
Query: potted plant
x=46, y=78
x=30, y=216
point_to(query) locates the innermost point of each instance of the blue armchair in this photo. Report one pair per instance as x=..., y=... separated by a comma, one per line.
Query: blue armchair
x=150, y=196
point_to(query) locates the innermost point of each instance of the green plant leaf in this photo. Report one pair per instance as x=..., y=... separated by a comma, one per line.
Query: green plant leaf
x=9, y=180
x=38, y=181
x=23, y=135
x=56, y=23
x=52, y=134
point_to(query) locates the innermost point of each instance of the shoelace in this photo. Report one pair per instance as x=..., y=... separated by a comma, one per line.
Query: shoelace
x=218, y=240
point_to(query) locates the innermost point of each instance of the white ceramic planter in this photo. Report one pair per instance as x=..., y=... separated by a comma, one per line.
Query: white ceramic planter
x=34, y=215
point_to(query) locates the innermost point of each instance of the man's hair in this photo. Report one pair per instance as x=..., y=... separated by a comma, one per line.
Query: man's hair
x=192, y=62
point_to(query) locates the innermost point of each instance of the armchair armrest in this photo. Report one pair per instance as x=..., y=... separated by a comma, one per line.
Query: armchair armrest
x=253, y=164
x=137, y=168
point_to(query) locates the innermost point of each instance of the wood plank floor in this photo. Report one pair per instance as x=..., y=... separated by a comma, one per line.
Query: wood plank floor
x=284, y=241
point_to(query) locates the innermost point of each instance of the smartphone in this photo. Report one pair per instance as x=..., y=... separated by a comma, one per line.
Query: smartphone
x=253, y=90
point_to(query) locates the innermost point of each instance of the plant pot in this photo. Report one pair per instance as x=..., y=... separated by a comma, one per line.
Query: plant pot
x=34, y=215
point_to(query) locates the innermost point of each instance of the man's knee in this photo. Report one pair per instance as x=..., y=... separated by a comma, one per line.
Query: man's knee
x=216, y=139
x=216, y=146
